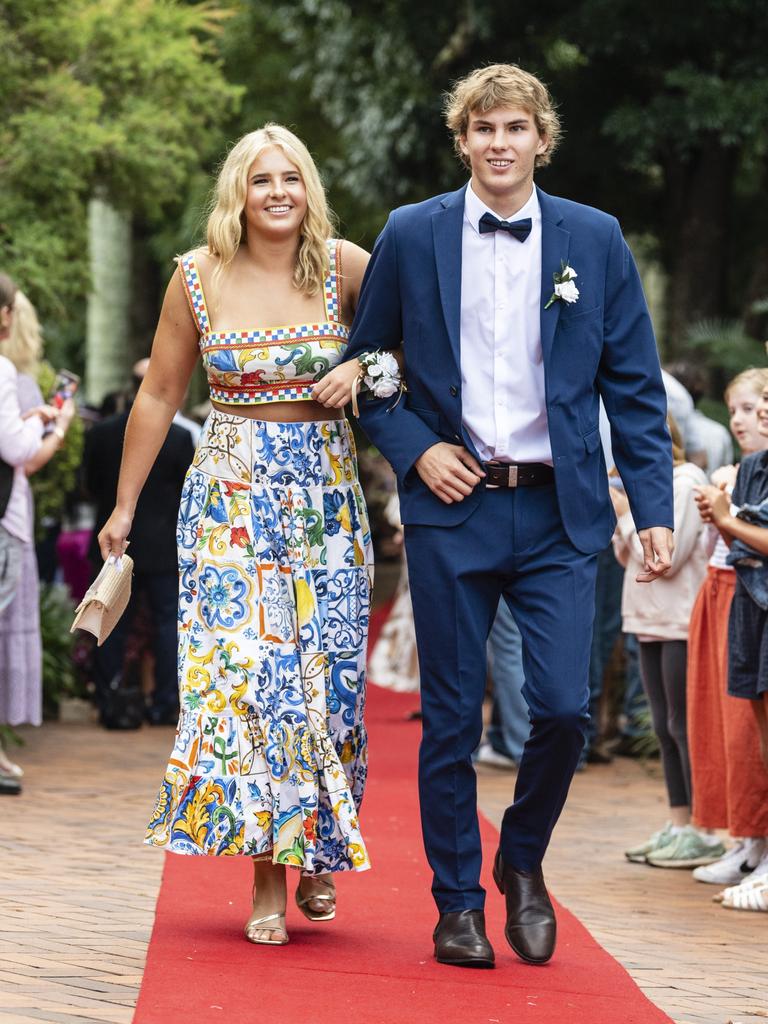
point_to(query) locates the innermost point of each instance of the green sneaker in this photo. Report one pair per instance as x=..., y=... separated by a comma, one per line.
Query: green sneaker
x=688, y=849
x=659, y=839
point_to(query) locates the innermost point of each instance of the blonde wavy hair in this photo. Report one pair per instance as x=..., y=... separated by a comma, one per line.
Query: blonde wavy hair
x=755, y=378
x=678, y=445
x=226, y=223
x=502, y=85
x=25, y=342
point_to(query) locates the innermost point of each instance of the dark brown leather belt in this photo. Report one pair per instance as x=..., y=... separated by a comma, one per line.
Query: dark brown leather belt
x=517, y=474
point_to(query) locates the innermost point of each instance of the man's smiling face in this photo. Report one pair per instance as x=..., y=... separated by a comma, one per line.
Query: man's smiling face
x=501, y=146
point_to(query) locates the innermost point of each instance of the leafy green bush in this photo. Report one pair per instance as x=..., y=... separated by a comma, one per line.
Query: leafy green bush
x=724, y=344
x=60, y=675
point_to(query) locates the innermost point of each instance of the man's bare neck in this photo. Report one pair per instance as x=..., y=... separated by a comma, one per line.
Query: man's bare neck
x=505, y=205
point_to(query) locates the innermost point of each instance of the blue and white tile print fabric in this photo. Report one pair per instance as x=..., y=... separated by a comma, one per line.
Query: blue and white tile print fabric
x=275, y=574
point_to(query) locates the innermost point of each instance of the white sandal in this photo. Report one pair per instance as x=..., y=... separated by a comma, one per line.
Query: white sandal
x=256, y=924
x=749, y=882
x=750, y=895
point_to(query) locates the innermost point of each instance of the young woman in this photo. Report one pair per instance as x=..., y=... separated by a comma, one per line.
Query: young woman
x=273, y=538
x=730, y=787
x=21, y=697
x=746, y=534
x=659, y=617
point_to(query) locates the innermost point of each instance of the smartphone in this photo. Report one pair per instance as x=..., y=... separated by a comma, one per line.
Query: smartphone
x=64, y=387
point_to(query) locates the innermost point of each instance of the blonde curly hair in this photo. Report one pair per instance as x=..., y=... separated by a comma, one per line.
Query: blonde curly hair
x=25, y=342
x=755, y=378
x=502, y=85
x=226, y=224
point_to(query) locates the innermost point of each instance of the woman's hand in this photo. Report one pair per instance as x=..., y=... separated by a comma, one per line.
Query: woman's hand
x=334, y=391
x=714, y=504
x=65, y=414
x=46, y=413
x=113, y=537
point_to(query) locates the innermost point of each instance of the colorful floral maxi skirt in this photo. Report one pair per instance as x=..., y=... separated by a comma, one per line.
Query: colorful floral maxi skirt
x=275, y=567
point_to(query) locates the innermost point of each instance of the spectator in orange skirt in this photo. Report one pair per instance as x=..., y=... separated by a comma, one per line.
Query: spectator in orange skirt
x=730, y=785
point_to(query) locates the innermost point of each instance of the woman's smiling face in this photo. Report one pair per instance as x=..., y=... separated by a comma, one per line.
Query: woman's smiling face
x=276, y=200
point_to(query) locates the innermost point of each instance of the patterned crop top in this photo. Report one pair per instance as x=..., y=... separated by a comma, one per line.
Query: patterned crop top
x=277, y=364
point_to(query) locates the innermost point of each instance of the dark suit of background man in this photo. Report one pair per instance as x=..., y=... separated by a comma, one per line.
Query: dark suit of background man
x=503, y=486
x=153, y=549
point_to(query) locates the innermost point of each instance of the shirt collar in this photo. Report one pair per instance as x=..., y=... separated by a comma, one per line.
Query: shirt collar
x=474, y=208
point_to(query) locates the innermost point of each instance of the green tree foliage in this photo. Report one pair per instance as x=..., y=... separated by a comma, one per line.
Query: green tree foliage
x=262, y=54
x=124, y=95
x=664, y=107
x=60, y=675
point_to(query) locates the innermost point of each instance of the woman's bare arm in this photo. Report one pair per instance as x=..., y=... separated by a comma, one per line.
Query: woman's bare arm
x=737, y=529
x=335, y=389
x=53, y=441
x=173, y=358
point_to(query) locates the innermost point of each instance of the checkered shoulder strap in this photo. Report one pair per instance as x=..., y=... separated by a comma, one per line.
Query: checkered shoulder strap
x=193, y=286
x=333, y=281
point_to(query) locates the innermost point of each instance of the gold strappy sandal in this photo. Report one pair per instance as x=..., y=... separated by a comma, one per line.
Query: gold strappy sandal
x=256, y=924
x=317, y=897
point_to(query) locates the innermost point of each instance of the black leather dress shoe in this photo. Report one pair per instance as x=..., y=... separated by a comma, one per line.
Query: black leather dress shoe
x=531, y=928
x=460, y=940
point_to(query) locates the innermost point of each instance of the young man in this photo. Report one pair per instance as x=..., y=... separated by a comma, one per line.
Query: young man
x=516, y=312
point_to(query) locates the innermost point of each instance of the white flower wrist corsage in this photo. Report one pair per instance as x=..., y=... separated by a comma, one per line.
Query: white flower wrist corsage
x=380, y=375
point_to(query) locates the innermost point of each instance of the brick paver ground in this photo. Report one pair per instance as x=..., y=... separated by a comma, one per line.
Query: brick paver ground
x=77, y=889
x=698, y=962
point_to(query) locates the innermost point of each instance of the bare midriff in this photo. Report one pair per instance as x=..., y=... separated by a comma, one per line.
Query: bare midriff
x=282, y=412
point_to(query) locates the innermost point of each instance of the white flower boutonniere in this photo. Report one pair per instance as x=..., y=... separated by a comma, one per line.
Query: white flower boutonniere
x=379, y=374
x=565, y=289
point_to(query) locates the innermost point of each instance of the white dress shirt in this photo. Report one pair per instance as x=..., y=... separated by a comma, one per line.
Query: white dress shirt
x=502, y=372
x=19, y=441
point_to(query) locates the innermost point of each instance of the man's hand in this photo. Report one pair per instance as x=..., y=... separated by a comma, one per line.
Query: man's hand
x=657, y=553
x=449, y=471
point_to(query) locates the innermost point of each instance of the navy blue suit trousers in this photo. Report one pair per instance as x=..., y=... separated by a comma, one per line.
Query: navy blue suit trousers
x=513, y=545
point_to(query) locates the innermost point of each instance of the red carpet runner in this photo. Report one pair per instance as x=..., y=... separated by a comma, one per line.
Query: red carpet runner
x=373, y=965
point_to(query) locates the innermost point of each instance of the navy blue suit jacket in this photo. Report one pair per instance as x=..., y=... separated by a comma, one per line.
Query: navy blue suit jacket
x=600, y=346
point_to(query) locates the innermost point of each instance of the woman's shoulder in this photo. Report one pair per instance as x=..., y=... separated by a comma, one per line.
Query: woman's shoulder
x=352, y=257
x=754, y=461
x=747, y=468
x=199, y=257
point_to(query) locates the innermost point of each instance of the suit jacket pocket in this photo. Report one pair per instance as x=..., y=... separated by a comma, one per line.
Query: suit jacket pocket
x=430, y=416
x=592, y=440
x=575, y=321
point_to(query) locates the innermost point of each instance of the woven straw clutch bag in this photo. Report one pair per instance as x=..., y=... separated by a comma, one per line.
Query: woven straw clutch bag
x=106, y=599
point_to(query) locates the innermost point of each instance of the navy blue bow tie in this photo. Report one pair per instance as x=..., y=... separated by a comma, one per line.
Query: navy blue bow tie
x=519, y=228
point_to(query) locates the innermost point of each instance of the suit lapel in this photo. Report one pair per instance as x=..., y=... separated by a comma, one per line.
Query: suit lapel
x=446, y=234
x=555, y=243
